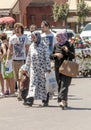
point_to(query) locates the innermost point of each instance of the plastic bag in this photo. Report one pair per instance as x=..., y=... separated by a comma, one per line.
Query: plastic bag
x=7, y=69
x=31, y=92
x=51, y=83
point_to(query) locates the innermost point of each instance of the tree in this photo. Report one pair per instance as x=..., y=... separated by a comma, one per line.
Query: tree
x=60, y=11
x=82, y=11
x=55, y=10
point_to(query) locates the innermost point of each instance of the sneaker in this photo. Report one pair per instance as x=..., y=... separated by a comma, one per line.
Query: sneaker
x=63, y=104
x=6, y=93
x=28, y=103
x=1, y=94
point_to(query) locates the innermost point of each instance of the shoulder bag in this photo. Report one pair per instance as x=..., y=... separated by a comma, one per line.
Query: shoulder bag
x=69, y=68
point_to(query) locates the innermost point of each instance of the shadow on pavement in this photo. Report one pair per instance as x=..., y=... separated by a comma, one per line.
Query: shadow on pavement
x=75, y=98
x=74, y=108
x=68, y=108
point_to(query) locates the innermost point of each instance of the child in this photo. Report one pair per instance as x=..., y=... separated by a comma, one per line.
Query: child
x=24, y=83
x=7, y=70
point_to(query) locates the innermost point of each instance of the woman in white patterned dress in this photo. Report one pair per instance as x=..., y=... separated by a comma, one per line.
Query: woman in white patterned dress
x=39, y=62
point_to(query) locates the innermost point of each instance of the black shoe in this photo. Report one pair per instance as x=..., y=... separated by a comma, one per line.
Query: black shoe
x=28, y=103
x=45, y=103
x=30, y=99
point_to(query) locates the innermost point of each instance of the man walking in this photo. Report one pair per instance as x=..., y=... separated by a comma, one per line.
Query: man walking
x=18, y=48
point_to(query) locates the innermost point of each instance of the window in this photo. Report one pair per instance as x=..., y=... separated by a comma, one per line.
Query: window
x=88, y=28
x=32, y=18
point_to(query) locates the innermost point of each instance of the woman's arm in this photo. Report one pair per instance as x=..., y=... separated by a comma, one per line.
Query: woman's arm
x=69, y=51
x=4, y=54
x=55, y=54
x=9, y=51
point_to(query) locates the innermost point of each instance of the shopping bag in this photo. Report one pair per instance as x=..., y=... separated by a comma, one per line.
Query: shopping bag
x=31, y=92
x=51, y=83
x=69, y=68
x=7, y=69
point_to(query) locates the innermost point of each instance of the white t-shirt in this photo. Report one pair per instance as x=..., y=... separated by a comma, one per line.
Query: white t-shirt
x=19, y=50
x=50, y=40
x=29, y=37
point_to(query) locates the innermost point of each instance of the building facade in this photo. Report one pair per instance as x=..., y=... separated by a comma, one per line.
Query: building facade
x=34, y=11
x=9, y=8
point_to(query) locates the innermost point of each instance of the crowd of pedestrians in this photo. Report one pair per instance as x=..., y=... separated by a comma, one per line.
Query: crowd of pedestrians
x=25, y=60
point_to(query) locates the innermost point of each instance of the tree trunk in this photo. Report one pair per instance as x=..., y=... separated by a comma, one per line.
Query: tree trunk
x=63, y=23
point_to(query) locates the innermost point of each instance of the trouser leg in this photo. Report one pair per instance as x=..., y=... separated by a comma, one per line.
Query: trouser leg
x=24, y=94
x=63, y=87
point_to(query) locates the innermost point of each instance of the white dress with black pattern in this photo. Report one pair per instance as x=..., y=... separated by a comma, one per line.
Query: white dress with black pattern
x=39, y=61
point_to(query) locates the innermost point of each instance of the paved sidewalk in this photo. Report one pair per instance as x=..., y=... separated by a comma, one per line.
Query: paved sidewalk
x=15, y=116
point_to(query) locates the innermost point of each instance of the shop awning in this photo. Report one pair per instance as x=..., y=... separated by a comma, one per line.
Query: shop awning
x=6, y=6
x=73, y=7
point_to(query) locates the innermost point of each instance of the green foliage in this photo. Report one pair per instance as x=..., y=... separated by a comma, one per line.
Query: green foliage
x=82, y=11
x=60, y=11
x=55, y=10
x=63, y=11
